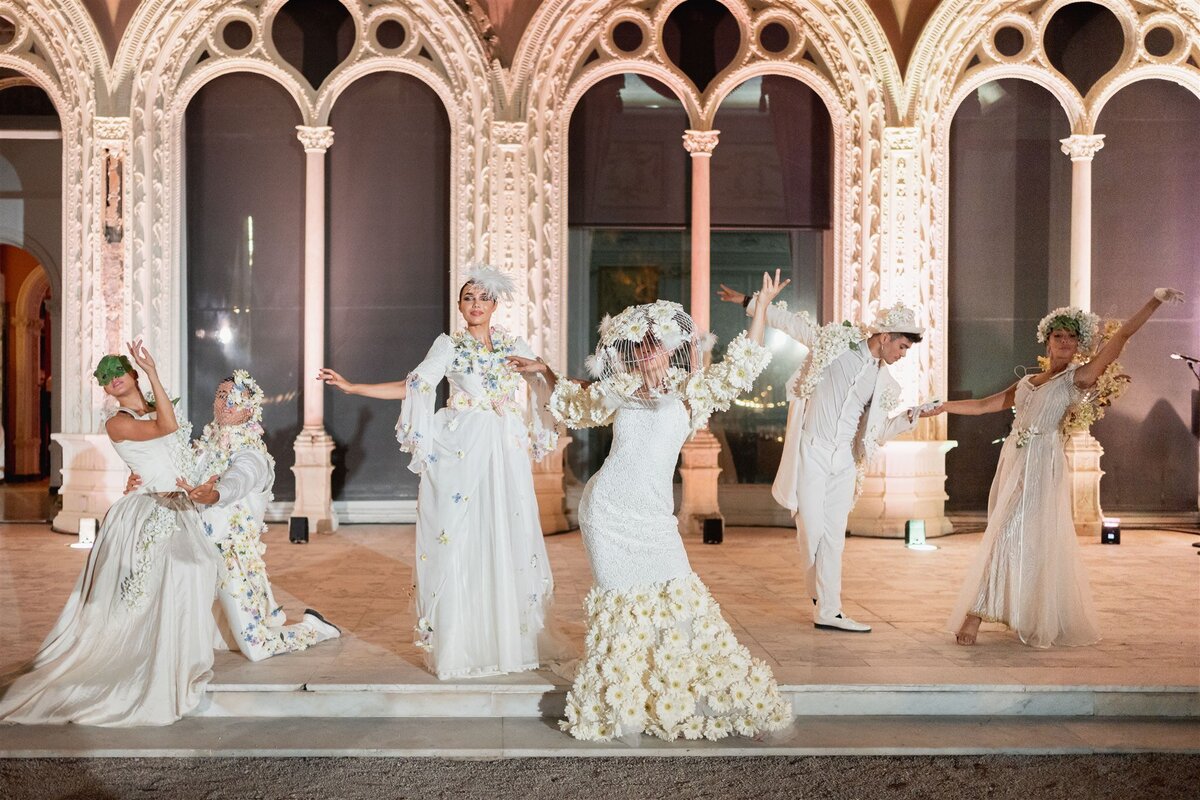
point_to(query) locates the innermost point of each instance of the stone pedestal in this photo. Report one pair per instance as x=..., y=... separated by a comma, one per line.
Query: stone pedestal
x=93, y=478
x=1083, y=463
x=907, y=481
x=699, y=472
x=313, y=471
x=548, y=486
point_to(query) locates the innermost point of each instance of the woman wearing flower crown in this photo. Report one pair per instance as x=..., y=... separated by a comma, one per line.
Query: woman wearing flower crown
x=134, y=644
x=1028, y=573
x=483, y=582
x=659, y=657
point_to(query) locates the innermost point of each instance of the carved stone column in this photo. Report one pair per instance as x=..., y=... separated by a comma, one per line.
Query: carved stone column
x=908, y=481
x=93, y=475
x=1083, y=451
x=314, y=446
x=699, y=470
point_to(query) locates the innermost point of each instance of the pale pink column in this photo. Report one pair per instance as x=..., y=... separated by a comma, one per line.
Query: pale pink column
x=1081, y=148
x=314, y=447
x=316, y=141
x=700, y=145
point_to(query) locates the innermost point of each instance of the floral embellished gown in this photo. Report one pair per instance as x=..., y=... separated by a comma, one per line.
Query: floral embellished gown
x=134, y=644
x=1028, y=573
x=483, y=581
x=659, y=657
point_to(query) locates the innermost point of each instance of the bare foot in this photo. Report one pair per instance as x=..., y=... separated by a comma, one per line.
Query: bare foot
x=969, y=630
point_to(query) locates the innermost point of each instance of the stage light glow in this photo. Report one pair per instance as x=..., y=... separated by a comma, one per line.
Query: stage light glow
x=224, y=335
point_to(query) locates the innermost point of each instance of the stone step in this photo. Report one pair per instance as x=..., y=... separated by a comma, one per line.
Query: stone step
x=533, y=699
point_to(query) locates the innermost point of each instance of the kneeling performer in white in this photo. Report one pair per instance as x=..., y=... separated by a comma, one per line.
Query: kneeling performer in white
x=841, y=397
x=240, y=474
x=659, y=657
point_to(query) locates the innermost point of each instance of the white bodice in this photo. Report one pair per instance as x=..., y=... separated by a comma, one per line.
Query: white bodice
x=153, y=460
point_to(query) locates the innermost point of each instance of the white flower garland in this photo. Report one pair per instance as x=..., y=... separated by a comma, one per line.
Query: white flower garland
x=159, y=525
x=832, y=340
x=1083, y=324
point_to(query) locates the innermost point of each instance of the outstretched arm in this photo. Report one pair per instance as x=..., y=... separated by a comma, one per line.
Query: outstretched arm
x=797, y=325
x=392, y=390
x=124, y=428
x=984, y=405
x=1090, y=372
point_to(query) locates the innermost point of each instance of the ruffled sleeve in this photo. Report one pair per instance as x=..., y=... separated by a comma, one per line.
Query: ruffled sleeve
x=579, y=407
x=716, y=386
x=543, y=428
x=415, y=429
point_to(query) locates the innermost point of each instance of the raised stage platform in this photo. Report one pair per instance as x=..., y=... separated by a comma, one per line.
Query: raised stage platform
x=908, y=668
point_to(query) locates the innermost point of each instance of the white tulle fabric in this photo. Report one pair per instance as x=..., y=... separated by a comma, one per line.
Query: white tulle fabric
x=1028, y=573
x=483, y=581
x=659, y=658
x=134, y=644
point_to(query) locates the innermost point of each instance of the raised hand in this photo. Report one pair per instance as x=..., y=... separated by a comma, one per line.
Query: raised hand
x=1167, y=295
x=730, y=295
x=771, y=287
x=141, y=356
x=332, y=378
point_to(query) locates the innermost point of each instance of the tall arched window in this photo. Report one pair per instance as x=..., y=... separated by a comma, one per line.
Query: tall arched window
x=389, y=221
x=1010, y=214
x=245, y=214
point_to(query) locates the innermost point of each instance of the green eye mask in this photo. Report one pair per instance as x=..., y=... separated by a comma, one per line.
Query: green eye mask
x=111, y=366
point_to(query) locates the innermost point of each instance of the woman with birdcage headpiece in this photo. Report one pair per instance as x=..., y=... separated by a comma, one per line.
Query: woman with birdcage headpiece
x=659, y=657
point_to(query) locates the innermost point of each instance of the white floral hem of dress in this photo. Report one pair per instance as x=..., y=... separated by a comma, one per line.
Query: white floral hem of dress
x=661, y=660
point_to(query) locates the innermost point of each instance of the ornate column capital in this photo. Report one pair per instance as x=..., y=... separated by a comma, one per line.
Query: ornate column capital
x=700, y=143
x=111, y=133
x=316, y=139
x=1082, y=147
x=509, y=134
x=900, y=138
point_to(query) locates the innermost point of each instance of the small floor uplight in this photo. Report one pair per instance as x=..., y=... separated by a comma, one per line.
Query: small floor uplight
x=1110, y=531
x=87, y=534
x=914, y=535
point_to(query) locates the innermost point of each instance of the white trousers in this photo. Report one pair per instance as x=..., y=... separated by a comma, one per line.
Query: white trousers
x=825, y=496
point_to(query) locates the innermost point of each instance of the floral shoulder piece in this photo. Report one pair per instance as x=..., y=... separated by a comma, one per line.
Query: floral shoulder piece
x=1092, y=403
x=832, y=340
x=579, y=407
x=716, y=386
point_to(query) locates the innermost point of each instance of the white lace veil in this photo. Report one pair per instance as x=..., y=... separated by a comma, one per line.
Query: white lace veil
x=646, y=353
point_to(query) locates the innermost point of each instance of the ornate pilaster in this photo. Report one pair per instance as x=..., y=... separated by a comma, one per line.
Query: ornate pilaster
x=1083, y=451
x=908, y=481
x=314, y=446
x=699, y=470
x=508, y=236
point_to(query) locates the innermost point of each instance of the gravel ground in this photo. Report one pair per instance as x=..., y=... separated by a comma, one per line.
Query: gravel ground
x=1127, y=777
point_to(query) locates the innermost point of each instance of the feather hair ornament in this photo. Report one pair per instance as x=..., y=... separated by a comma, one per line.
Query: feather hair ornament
x=496, y=283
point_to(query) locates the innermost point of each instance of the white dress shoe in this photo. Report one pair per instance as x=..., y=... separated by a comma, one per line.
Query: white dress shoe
x=841, y=623
x=325, y=629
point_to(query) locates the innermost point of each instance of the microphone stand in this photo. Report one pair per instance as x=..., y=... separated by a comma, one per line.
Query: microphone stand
x=1193, y=365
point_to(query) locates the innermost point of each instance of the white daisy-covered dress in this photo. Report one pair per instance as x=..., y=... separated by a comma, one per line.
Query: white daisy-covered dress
x=659, y=658
x=483, y=582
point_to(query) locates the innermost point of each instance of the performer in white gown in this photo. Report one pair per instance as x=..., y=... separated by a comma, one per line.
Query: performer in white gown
x=1027, y=572
x=235, y=474
x=134, y=644
x=659, y=657
x=483, y=582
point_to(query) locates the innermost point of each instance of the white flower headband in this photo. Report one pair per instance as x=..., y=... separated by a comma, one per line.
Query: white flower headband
x=245, y=394
x=1084, y=324
x=496, y=283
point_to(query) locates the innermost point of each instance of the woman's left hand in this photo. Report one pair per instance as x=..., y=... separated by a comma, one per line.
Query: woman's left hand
x=527, y=365
x=1167, y=295
x=771, y=287
x=205, y=494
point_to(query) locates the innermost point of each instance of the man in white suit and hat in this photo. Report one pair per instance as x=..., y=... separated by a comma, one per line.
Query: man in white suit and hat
x=841, y=403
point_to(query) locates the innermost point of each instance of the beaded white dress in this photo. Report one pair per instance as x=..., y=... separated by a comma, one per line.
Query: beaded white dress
x=659, y=658
x=134, y=644
x=483, y=581
x=1028, y=573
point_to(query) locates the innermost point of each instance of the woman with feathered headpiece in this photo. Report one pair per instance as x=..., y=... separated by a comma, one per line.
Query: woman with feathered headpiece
x=1027, y=573
x=483, y=579
x=659, y=657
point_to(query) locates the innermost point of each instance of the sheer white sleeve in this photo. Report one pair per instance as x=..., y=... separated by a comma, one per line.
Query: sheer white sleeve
x=415, y=427
x=543, y=428
x=579, y=407
x=249, y=471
